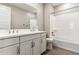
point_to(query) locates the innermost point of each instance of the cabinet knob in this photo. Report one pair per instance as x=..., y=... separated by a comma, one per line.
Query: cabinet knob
x=41, y=40
x=31, y=44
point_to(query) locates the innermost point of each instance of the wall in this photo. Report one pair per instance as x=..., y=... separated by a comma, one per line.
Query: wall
x=66, y=6
x=67, y=22
x=47, y=12
x=40, y=16
x=5, y=17
x=52, y=24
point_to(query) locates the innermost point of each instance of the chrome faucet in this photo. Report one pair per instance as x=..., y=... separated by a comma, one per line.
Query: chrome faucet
x=9, y=31
x=13, y=31
x=26, y=25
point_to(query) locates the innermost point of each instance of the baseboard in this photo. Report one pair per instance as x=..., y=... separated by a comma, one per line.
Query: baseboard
x=67, y=46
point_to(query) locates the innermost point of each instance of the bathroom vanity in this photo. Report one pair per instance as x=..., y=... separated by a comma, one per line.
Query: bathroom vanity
x=23, y=42
x=28, y=43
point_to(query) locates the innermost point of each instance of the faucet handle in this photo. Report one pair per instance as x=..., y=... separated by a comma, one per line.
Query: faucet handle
x=16, y=31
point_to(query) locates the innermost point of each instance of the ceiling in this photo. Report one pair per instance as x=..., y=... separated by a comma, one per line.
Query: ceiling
x=21, y=6
x=56, y=4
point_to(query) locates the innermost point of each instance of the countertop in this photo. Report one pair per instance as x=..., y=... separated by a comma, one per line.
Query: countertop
x=9, y=35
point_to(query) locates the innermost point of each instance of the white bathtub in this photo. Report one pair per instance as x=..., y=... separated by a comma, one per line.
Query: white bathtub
x=71, y=45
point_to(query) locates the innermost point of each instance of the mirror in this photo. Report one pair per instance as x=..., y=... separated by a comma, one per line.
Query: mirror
x=16, y=16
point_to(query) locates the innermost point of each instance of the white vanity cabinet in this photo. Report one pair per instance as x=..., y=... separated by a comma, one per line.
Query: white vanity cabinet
x=30, y=45
x=43, y=42
x=26, y=48
x=37, y=46
x=26, y=44
x=11, y=50
x=9, y=46
x=33, y=44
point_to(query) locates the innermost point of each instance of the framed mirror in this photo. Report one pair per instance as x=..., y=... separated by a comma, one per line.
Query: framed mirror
x=16, y=16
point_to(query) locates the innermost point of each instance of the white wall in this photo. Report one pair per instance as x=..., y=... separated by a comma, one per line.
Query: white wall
x=52, y=24
x=66, y=6
x=47, y=12
x=39, y=8
x=67, y=22
x=5, y=17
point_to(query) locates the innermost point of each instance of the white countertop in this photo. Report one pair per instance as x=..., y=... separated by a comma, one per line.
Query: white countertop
x=7, y=35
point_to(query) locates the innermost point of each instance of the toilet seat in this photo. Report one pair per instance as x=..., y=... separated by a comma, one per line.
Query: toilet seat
x=50, y=40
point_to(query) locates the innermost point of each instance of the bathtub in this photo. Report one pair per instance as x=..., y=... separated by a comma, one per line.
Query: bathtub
x=71, y=45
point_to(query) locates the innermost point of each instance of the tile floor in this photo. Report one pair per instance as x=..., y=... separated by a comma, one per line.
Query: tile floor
x=59, y=51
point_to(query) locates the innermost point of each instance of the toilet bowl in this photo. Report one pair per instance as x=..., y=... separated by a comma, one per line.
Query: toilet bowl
x=50, y=43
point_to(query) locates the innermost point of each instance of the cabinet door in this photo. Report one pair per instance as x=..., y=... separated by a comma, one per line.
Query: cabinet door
x=26, y=48
x=11, y=50
x=37, y=46
x=43, y=44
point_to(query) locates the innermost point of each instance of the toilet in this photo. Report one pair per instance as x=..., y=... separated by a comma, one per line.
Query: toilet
x=50, y=43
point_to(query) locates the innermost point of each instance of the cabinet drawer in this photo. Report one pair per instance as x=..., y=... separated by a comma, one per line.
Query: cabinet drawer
x=30, y=37
x=9, y=41
x=11, y=50
x=44, y=37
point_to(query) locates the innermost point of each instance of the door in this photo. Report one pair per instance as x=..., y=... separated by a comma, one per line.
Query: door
x=43, y=44
x=26, y=48
x=11, y=50
x=37, y=46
